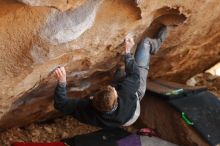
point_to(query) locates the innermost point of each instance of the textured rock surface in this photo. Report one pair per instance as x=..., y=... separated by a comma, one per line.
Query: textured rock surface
x=27, y=59
x=59, y=4
x=63, y=27
x=86, y=38
x=215, y=70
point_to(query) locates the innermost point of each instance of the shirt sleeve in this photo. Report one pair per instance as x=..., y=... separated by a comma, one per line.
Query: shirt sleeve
x=80, y=109
x=131, y=82
x=63, y=103
x=129, y=63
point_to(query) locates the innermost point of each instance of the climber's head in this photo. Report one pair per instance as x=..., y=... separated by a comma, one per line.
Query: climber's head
x=105, y=100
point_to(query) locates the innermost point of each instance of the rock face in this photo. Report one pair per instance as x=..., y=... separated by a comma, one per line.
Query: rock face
x=85, y=36
x=63, y=27
x=59, y=4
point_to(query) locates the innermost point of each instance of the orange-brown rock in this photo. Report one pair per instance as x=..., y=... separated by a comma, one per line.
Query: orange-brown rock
x=59, y=4
x=86, y=37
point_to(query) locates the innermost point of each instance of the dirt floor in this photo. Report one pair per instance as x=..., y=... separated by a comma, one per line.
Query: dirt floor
x=48, y=132
x=67, y=126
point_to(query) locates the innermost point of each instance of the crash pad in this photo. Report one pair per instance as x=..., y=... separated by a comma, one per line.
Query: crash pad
x=198, y=107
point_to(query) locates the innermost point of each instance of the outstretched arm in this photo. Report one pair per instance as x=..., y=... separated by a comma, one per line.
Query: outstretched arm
x=132, y=80
x=80, y=109
x=61, y=101
x=129, y=58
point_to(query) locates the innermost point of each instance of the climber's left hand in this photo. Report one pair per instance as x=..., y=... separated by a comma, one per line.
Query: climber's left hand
x=60, y=74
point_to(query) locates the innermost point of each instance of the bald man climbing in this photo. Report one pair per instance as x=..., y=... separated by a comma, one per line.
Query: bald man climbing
x=118, y=105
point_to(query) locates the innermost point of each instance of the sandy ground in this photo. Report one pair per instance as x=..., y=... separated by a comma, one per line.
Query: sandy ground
x=67, y=126
x=48, y=132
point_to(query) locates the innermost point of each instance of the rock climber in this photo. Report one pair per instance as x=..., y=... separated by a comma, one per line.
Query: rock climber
x=113, y=106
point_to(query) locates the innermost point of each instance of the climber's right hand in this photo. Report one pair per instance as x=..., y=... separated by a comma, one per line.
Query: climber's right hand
x=129, y=43
x=60, y=74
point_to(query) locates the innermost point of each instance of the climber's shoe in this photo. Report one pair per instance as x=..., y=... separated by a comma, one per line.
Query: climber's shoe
x=162, y=34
